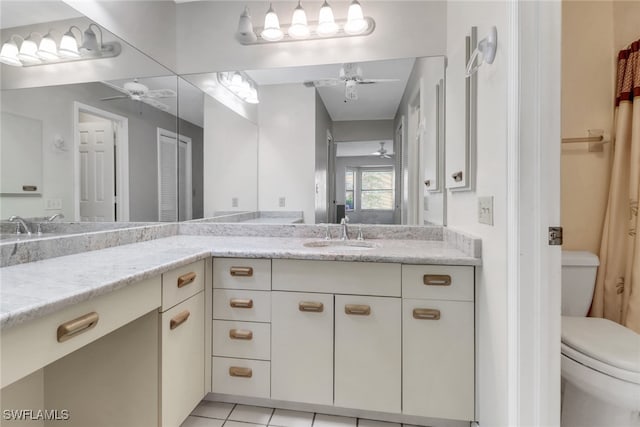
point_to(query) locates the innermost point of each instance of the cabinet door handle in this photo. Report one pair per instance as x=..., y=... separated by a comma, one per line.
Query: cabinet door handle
x=236, y=371
x=426, y=314
x=311, y=306
x=185, y=279
x=241, y=303
x=436, y=280
x=357, y=309
x=240, y=334
x=179, y=319
x=241, y=271
x=77, y=326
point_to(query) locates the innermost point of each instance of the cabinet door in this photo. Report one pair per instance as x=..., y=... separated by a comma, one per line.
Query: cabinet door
x=367, y=354
x=302, y=347
x=182, y=360
x=438, y=359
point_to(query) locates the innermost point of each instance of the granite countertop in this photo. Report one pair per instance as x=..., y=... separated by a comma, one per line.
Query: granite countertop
x=32, y=290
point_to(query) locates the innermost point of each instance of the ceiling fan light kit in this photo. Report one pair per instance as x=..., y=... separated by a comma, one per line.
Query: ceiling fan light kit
x=326, y=27
x=28, y=53
x=137, y=91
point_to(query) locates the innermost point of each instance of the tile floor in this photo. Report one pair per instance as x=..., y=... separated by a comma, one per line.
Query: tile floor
x=218, y=414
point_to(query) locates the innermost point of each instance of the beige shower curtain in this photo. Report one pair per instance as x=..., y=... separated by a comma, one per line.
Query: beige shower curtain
x=617, y=293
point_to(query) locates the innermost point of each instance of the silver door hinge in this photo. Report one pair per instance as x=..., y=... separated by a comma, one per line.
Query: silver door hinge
x=555, y=236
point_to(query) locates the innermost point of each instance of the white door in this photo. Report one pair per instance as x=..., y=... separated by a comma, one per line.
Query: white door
x=185, y=196
x=368, y=353
x=97, y=171
x=174, y=177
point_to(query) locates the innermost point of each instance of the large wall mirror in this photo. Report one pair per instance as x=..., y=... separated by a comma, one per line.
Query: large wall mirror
x=315, y=143
x=106, y=142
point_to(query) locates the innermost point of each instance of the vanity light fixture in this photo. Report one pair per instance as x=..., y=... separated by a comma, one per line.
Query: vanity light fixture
x=484, y=53
x=326, y=27
x=29, y=53
x=240, y=85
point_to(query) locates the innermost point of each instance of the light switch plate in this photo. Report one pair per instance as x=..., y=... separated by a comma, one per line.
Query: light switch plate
x=234, y=202
x=53, y=204
x=282, y=202
x=485, y=210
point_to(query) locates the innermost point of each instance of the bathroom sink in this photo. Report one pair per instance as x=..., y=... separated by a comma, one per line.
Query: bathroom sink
x=342, y=244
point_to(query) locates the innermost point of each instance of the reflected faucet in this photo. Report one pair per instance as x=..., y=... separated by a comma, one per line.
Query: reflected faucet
x=20, y=221
x=53, y=217
x=345, y=231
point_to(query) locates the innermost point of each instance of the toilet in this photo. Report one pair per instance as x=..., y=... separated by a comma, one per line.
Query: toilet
x=600, y=358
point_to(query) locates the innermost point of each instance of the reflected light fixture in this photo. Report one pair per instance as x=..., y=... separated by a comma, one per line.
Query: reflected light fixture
x=49, y=52
x=271, y=31
x=326, y=27
x=299, y=28
x=240, y=85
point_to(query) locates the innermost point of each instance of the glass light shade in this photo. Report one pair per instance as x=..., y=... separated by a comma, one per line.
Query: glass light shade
x=326, y=23
x=28, y=51
x=356, y=24
x=90, y=41
x=271, y=31
x=69, y=46
x=9, y=54
x=253, y=96
x=245, y=31
x=236, y=81
x=245, y=90
x=299, y=28
x=48, y=49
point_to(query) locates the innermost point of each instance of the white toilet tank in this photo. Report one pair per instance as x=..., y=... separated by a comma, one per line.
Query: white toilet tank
x=578, y=281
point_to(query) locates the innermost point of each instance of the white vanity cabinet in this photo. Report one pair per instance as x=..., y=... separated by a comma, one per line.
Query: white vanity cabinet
x=241, y=327
x=438, y=341
x=182, y=356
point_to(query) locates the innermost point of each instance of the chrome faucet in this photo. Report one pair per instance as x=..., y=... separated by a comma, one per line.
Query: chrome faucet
x=52, y=217
x=20, y=221
x=345, y=231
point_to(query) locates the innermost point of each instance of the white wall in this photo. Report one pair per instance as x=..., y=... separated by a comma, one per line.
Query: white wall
x=491, y=283
x=286, y=155
x=403, y=29
x=230, y=160
x=363, y=130
x=322, y=126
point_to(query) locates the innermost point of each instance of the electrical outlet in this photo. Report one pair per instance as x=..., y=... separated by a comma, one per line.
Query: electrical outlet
x=282, y=202
x=485, y=210
x=234, y=202
x=53, y=204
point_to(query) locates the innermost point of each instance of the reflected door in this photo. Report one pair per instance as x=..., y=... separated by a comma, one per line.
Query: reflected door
x=97, y=171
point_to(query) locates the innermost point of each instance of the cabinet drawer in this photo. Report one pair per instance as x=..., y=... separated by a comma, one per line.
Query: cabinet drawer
x=250, y=306
x=246, y=340
x=438, y=359
x=182, y=283
x=182, y=383
x=440, y=282
x=337, y=277
x=242, y=273
x=241, y=377
x=32, y=345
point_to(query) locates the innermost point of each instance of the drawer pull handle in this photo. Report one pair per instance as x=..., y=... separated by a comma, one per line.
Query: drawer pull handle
x=77, y=326
x=179, y=319
x=241, y=271
x=426, y=314
x=436, y=280
x=357, y=309
x=240, y=334
x=241, y=303
x=236, y=371
x=310, y=306
x=185, y=279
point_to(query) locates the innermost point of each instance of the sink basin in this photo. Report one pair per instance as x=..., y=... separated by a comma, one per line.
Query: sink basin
x=342, y=244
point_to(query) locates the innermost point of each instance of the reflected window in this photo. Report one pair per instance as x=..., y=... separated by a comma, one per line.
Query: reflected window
x=377, y=189
x=349, y=185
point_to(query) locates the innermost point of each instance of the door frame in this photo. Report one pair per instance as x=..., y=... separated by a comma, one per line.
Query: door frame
x=121, y=128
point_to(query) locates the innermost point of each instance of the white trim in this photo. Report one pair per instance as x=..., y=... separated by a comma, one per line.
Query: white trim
x=189, y=172
x=122, y=165
x=533, y=177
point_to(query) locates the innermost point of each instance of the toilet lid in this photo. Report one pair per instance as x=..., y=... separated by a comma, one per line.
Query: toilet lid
x=603, y=340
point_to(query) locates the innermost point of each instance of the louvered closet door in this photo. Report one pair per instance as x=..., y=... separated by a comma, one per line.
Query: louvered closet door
x=167, y=176
x=97, y=176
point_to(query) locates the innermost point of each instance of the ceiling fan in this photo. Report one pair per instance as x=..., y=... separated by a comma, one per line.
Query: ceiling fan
x=382, y=152
x=351, y=76
x=138, y=92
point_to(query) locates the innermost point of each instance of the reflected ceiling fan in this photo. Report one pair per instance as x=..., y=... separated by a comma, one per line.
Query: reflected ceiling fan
x=351, y=77
x=138, y=92
x=382, y=152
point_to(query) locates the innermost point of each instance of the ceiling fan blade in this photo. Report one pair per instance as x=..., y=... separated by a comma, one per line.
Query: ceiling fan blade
x=157, y=104
x=114, y=97
x=374, y=81
x=116, y=87
x=161, y=93
x=323, y=83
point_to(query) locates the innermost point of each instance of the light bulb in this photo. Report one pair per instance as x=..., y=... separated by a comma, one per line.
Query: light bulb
x=9, y=54
x=271, y=31
x=253, y=96
x=356, y=24
x=245, y=33
x=299, y=28
x=69, y=46
x=47, y=49
x=326, y=23
x=28, y=51
x=236, y=81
